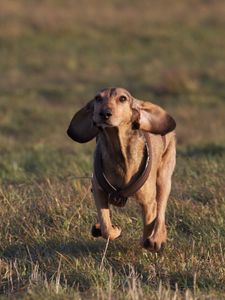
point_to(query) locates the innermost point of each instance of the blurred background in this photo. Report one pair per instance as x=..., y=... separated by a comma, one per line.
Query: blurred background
x=54, y=57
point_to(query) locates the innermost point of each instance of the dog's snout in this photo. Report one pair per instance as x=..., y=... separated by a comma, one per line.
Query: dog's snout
x=105, y=113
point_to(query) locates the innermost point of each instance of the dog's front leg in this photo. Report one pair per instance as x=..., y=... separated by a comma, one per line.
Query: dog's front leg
x=105, y=228
x=155, y=237
x=147, y=199
x=153, y=210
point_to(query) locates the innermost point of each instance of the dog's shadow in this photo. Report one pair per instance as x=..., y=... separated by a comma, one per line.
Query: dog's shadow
x=95, y=248
x=45, y=249
x=45, y=254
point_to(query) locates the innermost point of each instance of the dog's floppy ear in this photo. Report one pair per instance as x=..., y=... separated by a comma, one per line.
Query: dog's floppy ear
x=81, y=128
x=153, y=118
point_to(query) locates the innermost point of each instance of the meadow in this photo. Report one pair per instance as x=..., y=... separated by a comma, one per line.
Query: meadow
x=54, y=56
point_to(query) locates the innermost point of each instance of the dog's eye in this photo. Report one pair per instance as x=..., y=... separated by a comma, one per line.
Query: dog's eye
x=98, y=98
x=122, y=98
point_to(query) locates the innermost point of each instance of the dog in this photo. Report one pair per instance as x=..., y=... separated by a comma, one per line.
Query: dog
x=135, y=156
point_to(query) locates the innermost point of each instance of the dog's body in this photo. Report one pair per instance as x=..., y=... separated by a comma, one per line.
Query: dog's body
x=119, y=122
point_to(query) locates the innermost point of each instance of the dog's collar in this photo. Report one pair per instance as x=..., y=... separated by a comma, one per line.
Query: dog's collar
x=119, y=197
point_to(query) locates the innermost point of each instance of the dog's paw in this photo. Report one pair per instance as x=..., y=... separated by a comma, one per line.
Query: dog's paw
x=156, y=242
x=96, y=230
x=153, y=245
x=113, y=233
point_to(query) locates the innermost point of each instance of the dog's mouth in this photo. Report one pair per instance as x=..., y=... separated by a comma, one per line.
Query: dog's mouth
x=103, y=124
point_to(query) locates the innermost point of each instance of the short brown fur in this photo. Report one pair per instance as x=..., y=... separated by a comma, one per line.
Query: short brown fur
x=118, y=120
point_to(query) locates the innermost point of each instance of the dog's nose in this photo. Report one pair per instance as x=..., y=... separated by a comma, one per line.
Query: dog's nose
x=105, y=113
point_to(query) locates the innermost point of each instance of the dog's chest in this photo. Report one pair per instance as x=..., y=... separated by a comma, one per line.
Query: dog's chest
x=122, y=165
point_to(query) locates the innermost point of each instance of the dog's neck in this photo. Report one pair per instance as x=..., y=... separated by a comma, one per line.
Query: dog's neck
x=122, y=153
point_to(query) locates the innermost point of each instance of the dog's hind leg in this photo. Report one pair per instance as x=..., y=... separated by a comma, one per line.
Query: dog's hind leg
x=104, y=228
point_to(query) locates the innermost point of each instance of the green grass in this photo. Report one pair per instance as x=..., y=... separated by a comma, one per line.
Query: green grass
x=54, y=56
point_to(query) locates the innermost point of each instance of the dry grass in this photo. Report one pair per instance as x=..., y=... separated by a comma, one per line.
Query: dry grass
x=54, y=55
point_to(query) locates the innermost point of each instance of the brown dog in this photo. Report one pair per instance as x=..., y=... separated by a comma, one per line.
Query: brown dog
x=135, y=156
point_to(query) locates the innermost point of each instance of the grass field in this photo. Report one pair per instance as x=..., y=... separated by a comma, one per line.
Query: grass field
x=54, y=56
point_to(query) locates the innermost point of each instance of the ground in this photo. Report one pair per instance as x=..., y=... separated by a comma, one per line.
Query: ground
x=54, y=56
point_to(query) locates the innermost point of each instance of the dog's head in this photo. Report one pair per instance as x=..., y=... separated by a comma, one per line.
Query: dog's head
x=115, y=107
